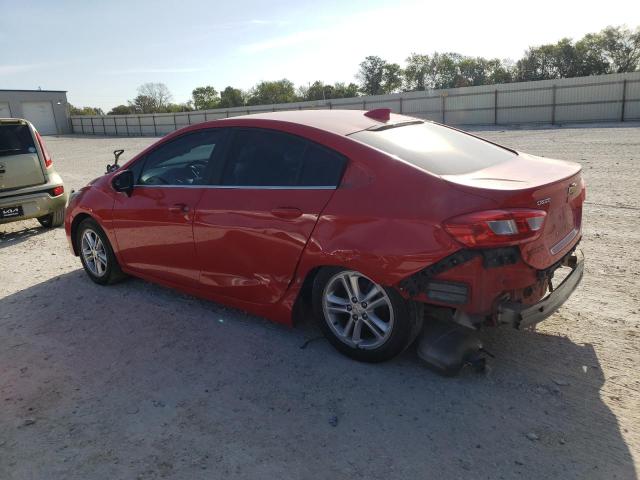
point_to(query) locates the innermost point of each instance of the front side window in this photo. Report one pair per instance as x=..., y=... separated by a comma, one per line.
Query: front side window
x=183, y=161
x=262, y=158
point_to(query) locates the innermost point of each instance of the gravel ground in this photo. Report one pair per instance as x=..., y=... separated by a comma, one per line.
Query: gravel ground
x=137, y=381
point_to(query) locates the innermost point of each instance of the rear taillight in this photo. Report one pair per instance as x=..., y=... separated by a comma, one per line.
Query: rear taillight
x=494, y=228
x=59, y=190
x=47, y=158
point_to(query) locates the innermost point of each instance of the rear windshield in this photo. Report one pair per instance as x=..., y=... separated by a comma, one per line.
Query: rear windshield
x=436, y=149
x=16, y=139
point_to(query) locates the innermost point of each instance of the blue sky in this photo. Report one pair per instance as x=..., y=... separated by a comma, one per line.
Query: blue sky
x=100, y=51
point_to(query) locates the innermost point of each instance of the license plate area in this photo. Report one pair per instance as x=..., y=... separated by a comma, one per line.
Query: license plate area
x=11, y=212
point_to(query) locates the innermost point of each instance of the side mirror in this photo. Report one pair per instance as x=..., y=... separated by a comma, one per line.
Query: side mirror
x=123, y=182
x=115, y=166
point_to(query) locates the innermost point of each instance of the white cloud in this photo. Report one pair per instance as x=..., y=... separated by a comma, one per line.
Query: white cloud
x=128, y=71
x=295, y=38
x=13, y=69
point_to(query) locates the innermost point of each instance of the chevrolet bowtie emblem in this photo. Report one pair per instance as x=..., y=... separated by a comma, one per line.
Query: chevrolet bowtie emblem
x=572, y=190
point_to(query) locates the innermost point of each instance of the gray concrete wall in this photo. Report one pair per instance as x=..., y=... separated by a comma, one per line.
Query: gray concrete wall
x=58, y=100
x=601, y=98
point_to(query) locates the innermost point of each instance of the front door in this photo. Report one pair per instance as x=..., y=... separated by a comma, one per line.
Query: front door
x=154, y=226
x=251, y=228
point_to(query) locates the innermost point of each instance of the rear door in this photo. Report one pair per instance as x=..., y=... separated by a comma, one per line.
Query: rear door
x=20, y=165
x=153, y=226
x=251, y=227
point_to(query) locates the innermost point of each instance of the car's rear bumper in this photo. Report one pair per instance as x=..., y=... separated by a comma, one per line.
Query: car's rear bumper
x=33, y=205
x=521, y=316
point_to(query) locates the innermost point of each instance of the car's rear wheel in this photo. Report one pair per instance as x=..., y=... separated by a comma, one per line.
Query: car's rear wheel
x=362, y=319
x=96, y=254
x=52, y=220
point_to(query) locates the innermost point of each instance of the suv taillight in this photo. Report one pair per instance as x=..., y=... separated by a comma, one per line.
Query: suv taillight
x=496, y=228
x=47, y=158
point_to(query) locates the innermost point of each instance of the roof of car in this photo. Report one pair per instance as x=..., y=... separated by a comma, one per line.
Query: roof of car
x=341, y=122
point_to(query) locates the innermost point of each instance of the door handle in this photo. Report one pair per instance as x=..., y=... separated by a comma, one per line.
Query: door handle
x=286, y=212
x=179, y=208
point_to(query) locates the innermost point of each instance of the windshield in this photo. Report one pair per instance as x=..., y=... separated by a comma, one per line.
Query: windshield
x=16, y=139
x=435, y=148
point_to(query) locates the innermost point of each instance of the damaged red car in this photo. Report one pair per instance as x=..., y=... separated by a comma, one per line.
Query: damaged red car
x=383, y=223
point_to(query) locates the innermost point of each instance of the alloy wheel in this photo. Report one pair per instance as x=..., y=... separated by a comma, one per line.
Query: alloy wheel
x=357, y=310
x=94, y=253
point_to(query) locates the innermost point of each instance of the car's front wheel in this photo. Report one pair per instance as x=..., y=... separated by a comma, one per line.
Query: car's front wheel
x=362, y=319
x=96, y=253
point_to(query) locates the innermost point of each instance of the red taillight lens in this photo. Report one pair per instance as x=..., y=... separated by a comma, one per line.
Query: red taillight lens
x=47, y=158
x=493, y=228
x=59, y=190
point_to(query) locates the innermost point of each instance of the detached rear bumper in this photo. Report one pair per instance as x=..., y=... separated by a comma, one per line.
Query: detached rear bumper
x=522, y=316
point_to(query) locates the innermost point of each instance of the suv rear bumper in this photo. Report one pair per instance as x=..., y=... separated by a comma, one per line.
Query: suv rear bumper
x=521, y=316
x=33, y=205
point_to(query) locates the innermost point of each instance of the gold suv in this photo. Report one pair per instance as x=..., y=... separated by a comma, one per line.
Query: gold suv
x=29, y=185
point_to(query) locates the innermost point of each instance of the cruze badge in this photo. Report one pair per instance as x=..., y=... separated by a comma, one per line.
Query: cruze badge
x=544, y=201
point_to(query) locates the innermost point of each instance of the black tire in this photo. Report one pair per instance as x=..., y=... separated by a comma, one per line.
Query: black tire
x=112, y=272
x=408, y=318
x=52, y=220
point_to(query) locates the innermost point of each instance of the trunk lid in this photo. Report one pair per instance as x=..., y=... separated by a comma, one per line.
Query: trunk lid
x=20, y=164
x=537, y=183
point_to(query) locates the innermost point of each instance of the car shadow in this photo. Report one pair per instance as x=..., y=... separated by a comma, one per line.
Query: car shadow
x=10, y=236
x=134, y=379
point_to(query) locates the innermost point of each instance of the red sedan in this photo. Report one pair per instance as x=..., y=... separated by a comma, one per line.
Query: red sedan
x=377, y=220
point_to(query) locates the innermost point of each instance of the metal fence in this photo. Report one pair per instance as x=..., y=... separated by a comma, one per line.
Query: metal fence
x=603, y=98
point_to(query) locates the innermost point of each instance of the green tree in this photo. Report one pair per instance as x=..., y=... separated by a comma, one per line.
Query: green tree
x=417, y=72
x=444, y=72
x=120, y=110
x=500, y=71
x=593, y=60
x=321, y=91
x=231, y=97
x=378, y=77
x=482, y=71
x=614, y=49
x=621, y=48
x=178, y=107
x=144, y=104
x=343, y=90
x=371, y=75
x=151, y=98
x=205, y=98
x=315, y=91
x=270, y=92
x=392, y=78
x=85, y=110
x=538, y=63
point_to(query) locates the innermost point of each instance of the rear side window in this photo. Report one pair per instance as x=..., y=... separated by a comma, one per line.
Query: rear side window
x=262, y=158
x=16, y=140
x=436, y=149
x=321, y=167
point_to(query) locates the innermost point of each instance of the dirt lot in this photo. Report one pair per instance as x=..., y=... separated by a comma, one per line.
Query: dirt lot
x=136, y=381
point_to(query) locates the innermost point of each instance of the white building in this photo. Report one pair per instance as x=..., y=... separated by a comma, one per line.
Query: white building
x=48, y=110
